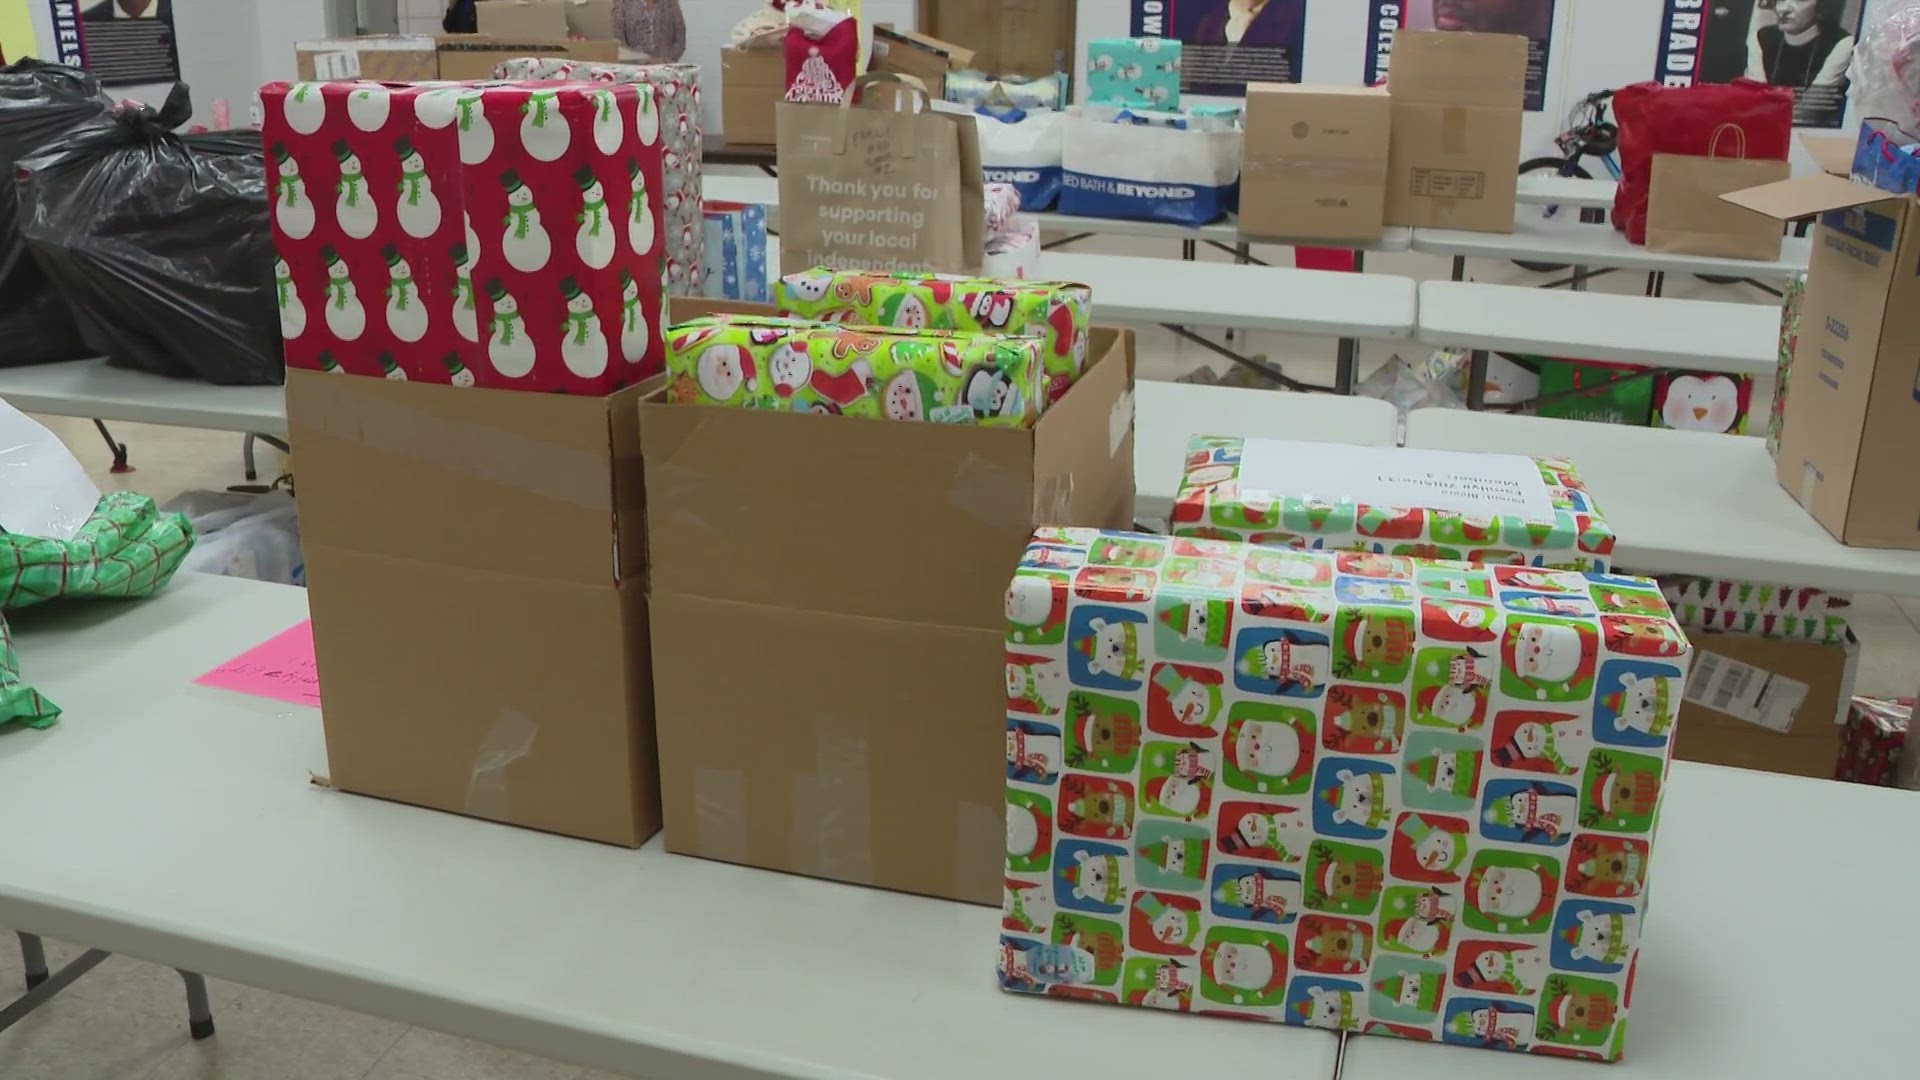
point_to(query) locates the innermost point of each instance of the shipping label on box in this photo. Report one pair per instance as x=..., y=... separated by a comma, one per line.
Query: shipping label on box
x=1352, y=791
x=504, y=235
x=676, y=88
x=1435, y=504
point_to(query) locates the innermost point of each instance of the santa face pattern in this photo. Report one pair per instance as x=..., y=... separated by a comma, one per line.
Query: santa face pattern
x=1217, y=804
x=473, y=223
x=1214, y=502
x=670, y=118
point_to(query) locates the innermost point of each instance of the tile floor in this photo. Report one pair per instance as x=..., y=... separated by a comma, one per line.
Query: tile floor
x=126, y=1020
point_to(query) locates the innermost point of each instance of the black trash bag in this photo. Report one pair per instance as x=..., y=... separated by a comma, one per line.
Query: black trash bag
x=39, y=102
x=160, y=243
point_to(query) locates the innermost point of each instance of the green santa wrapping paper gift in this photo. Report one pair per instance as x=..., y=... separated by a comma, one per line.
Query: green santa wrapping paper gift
x=1359, y=791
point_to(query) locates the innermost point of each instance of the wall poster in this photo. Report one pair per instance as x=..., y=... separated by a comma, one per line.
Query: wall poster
x=1803, y=44
x=1226, y=44
x=122, y=42
x=1531, y=19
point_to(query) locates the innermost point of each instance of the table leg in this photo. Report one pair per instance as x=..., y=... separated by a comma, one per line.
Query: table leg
x=1187, y=250
x=1344, y=366
x=33, y=956
x=1459, y=268
x=1580, y=276
x=119, y=449
x=1477, y=380
x=199, y=1009
x=1359, y=261
x=18, y=1009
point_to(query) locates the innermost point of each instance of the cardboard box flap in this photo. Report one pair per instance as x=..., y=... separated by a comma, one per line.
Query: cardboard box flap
x=1833, y=153
x=1453, y=68
x=956, y=56
x=1805, y=196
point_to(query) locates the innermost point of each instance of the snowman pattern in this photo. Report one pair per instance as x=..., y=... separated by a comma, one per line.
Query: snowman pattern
x=345, y=318
x=1481, y=934
x=354, y=208
x=292, y=209
x=635, y=337
x=544, y=132
x=368, y=106
x=640, y=226
x=595, y=241
x=464, y=314
x=417, y=208
x=305, y=107
x=293, y=314
x=525, y=242
x=509, y=349
x=583, y=347
x=406, y=315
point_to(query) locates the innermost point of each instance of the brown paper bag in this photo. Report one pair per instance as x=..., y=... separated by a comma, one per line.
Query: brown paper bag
x=888, y=184
x=1685, y=214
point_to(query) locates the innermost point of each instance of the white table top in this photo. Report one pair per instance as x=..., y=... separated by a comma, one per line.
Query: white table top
x=765, y=190
x=1565, y=240
x=1166, y=415
x=1747, y=970
x=176, y=824
x=1540, y=189
x=91, y=388
x=1703, y=335
x=1132, y=289
x=1684, y=502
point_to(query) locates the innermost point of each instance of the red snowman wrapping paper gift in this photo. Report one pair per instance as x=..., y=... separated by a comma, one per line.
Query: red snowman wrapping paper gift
x=481, y=234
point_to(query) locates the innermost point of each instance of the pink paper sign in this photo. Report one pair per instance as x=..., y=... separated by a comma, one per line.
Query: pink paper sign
x=280, y=668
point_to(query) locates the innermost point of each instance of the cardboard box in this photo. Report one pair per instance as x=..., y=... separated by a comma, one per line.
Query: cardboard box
x=531, y=20
x=928, y=59
x=1134, y=73
x=476, y=569
x=1770, y=704
x=1008, y=37
x=1235, y=784
x=1852, y=421
x=1315, y=164
x=752, y=82
x=473, y=56
x=831, y=699
x=384, y=58
x=1457, y=105
x=1428, y=504
x=591, y=19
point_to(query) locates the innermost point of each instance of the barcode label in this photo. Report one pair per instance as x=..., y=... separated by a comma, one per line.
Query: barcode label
x=1745, y=692
x=335, y=66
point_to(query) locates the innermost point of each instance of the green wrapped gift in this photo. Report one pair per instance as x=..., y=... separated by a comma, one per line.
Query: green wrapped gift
x=1055, y=311
x=756, y=362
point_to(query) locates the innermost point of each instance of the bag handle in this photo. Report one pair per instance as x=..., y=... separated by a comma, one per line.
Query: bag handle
x=1739, y=142
x=912, y=87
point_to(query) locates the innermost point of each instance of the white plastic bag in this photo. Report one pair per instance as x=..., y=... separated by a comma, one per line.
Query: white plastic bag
x=246, y=536
x=1146, y=172
x=1023, y=148
x=43, y=489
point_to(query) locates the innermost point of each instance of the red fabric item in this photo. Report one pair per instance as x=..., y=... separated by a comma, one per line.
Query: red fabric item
x=1318, y=258
x=1744, y=119
x=821, y=71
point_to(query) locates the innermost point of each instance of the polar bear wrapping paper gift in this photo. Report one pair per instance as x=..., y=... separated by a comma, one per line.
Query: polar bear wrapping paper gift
x=495, y=235
x=1346, y=790
x=1057, y=311
x=676, y=88
x=1227, y=494
x=755, y=362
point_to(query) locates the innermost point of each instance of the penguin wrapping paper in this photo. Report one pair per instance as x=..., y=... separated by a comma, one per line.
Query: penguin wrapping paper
x=1134, y=71
x=1340, y=789
x=676, y=88
x=950, y=377
x=1056, y=311
x=502, y=235
x=1430, y=504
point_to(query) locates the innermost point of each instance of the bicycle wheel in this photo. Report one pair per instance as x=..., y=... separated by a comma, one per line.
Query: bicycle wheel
x=1550, y=166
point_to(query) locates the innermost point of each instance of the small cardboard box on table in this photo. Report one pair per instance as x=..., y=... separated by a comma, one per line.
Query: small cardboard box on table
x=471, y=492
x=1852, y=423
x=1315, y=163
x=1429, y=504
x=1457, y=106
x=828, y=610
x=1347, y=790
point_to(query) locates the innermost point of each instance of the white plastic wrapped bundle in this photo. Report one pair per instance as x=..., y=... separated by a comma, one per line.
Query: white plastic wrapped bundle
x=1886, y=64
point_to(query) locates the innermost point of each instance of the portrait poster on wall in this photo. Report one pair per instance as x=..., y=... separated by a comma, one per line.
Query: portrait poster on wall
x=1226, y=44
x=1531, y=19
x=122, y=42
x=1803, y=44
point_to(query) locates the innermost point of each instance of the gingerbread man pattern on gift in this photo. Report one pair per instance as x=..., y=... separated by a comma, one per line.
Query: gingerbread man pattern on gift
x=1343, y=789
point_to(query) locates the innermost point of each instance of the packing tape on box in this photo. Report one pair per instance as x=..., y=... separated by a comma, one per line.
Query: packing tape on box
x=832, y=819
x=508, y=740
x=561, y=473
x=979, y=843
x=990, y=494
x=700, y=498
x=1119, y=423
x=1052, y=498
x=720, y=814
